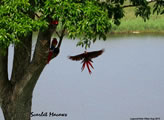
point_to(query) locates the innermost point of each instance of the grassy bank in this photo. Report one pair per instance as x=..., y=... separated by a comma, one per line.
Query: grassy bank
x=130, y=23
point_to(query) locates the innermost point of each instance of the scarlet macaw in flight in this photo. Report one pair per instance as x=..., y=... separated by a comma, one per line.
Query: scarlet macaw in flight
x=86, y=58
x=53, y=50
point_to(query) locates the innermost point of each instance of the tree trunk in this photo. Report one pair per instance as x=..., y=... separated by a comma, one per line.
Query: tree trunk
x=17, y=110
x=16, y=93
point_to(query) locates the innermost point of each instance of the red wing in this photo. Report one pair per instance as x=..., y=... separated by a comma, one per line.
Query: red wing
x=77, y=57
x=95, y=54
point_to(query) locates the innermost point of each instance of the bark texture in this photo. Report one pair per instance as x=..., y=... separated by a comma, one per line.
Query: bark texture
x=17, y=110
x=5, y=86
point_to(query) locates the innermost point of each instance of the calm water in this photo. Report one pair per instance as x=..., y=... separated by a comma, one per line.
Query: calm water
x=127, y=82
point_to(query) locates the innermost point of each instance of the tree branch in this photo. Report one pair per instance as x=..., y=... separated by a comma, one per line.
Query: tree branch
x=22, y=57
x=61, y=38
x=57, y=34
x=5, y=86
x=43, y=44
x=26, y=86
x=126, y=6
x=34, y=69
x=37, y=15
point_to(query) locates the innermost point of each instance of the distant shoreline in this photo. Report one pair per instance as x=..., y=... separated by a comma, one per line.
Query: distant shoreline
x=136, y=32
x=131, y=24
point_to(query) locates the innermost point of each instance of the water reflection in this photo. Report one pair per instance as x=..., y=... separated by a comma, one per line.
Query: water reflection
x=127, y=81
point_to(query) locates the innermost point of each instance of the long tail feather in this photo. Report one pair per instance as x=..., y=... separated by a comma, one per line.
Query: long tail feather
x=88, y=68
x=83, y=66
x=49, y=56
x=90, y=64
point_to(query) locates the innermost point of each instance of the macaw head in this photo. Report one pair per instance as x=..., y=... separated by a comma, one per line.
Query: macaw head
x=54, y=42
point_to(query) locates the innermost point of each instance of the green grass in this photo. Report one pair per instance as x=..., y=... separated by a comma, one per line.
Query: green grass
x=130, y=23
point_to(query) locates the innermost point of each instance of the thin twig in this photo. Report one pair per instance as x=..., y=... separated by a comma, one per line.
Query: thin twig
x=58, y=34
x=61, y=38
x=37, y=15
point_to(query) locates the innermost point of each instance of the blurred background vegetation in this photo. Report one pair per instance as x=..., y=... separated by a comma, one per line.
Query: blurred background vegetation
x=132, y=24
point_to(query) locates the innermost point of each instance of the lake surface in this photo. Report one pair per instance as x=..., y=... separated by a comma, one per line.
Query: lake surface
x=127, y=82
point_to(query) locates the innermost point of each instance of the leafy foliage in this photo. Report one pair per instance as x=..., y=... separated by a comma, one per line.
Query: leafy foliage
x=86, y=19
x=159, y=7
x=15, y=21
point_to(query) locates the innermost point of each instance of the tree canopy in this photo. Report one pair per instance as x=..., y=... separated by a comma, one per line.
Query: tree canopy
x=86, y=19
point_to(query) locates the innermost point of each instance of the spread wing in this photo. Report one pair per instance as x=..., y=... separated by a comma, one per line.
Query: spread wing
x=77, y=57
x=86, y=55
x=95, y=54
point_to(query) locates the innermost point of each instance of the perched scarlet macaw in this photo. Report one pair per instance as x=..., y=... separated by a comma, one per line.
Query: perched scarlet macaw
x=53, y=50
x=55, y=22
x=86, y=58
